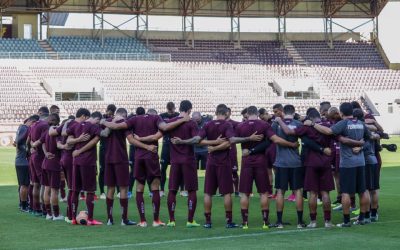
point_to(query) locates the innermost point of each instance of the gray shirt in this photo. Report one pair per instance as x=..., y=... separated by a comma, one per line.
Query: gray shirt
x=369, y=152
x=356, y=130
x=287, y=157
x=21, y=155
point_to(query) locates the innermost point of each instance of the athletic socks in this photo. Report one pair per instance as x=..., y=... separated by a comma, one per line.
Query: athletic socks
x=361, y=217
x=124, y=208
x=62, y=189
x=90, y=205
x=300, y=217
x=56, y=210
x=346, y=218
x=47, y=209
x=110, y=205
x=374, y=211
x=44, y=210
x=74, y=204
x=192, y=204
x=327, y=215
x=140, y=205
x=171, y=203
x=208, y=218
x=245, y=215
x=156, y=204
x=279, y=217
x=228, y=216
x=367, y=215
x=24, y=205
x=313, y=216
x=265, y=215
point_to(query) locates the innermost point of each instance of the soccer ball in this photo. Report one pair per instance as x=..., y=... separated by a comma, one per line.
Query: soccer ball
x=82, y=218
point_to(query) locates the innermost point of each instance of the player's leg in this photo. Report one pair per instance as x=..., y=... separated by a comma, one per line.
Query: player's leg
x=164, y=162
x=121, y=172
x=110, y=181
x=264, y=189
x=140, y=176
x=375, y=193
x=175, y=178
x=311, y=185
x=245, y=189
x=102, y=166
x=189, y=176
x=363, y=194
x=210, y=188
x=88, y=175
x=225, y=187
x=154, y=176
x=76, y=189
x=281, y=185
x=46, y=202
x=348, y=187
x=312, y=204
x=62, y=187
x=55, y=182
x=326, y=184
x=23, y=182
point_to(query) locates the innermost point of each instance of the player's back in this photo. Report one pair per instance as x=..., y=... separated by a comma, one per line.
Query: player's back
x=116, y=151
x=285, y=156
x=249, y=127
x=36, y=131
x=182, y=152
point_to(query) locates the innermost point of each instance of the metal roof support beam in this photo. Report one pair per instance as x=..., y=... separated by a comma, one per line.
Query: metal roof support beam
x=282, y=29
x=377, y=6
x=188, y=30
x=375, y=31
x=330, y=7
x=352, y=30
x=235, y=31
x=328, y=31
x=283, y=7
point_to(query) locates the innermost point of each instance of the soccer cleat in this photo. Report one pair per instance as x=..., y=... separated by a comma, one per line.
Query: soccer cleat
x=359, y=222
x=277, y=225
x=158, y=223
x=354, y=218
x=130, y=195
x=59, y=217
x=192, y=224
x=171, y=224
x=82, y=197
x=103, y=196
x=313, y=224
x=301, y=225
x=63, y=200
x=142, y=224
x=231, y=225
x=374, y=218
x=291, y=198
x=245, y=226
x=344, y=224
x=49, y=217
x=367, y=221
x=94, y=223
x=128, y=223
x=338, y=208
x=110, y=222
x=328, y=224
x=95, y=197
x=337, y=202
x=66, y=219
x=207, y=225
x=265, y=226
x=184, y=193
x=74, y=222
x=355, y=211
x=24, y=210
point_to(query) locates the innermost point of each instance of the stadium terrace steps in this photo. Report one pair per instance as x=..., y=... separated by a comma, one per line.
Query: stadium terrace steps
x=49, y=50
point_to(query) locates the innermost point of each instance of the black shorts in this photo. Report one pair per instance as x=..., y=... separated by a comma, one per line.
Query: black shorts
x=23, y=175
x=165, y=154
x=289, y=176
x=372, y=177
x=352, y=180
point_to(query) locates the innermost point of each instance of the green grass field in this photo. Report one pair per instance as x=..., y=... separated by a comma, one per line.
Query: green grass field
x=23, y=231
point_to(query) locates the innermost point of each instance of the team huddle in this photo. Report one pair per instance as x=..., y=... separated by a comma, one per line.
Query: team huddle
x=339, y=150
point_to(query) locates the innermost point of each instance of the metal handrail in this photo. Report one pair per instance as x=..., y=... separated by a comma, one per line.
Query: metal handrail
x=86, y=56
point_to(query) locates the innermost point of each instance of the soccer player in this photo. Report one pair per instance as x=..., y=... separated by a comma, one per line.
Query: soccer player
x=51, y=171
x=244, y=114
x=54, y=109
x=117, y=168
x=253, y=166
x=165, y=150
x=36, y=160
x=218, y=169
x=84, y=161
x=318, y=176
x=200, y=152
x=110, y=111
x=352, y=162
x=289, y=169
x=183, y=166
x=147, y=167
x=21, y=161
x=233, y=156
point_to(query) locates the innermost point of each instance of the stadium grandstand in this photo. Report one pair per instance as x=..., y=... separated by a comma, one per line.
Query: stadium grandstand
x=91, y=68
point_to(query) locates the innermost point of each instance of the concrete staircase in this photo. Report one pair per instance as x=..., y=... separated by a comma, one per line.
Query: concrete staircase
x=49, y=50
x=297, y=59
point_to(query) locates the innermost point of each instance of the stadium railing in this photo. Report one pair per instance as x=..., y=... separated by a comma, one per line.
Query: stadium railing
x=86, y=56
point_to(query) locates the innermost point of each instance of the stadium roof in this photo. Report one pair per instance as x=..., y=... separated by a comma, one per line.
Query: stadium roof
x=214, y=8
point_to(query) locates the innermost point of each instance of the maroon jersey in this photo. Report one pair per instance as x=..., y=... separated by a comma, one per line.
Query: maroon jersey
x=36, y=132
x=212, y=130
x=66, y=155
x=50, y=143
x=89, y=157
x=248, y=128
x=233, y=151
x=144, y=125
x=313, y=158
x=183, y=154
x=116, y=145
